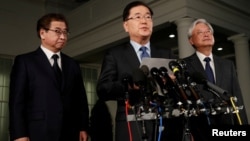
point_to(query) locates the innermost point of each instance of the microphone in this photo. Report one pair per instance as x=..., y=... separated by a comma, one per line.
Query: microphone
x=178, y=72
x=171, y=86
x=159, y=80
x=127, y=81
x=191, y=84
x=145, y=70
x=219, y=92
x=164, y=72
x=150, y=86
x=176, y=69
x=140, y=80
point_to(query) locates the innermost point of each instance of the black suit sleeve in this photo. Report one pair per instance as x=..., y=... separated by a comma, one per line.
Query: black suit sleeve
x=109, y=87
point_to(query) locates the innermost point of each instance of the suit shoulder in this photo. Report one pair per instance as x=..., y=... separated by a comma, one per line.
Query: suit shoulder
x=223, y=61
x=25, y=55
x=117, y=51
x=68, y=58
x=190, y=57
x=118, y=48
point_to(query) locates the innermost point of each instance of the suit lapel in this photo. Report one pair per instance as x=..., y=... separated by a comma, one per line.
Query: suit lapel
x=131, y=56
x=196, y=65
x=218, y=70
x=65, y=70
x=43, y=61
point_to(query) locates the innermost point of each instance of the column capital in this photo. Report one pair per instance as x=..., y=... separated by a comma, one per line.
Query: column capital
x=237, y=37
x=184, y=20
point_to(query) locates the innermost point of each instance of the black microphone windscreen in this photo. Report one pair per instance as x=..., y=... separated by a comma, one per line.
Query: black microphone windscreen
x=145, y=69
x=182, y=64
x=164, y=70
x=154, y=72
x=174, y=66
x=139, y=77
x=171, y=64
x=200, y=79
x=126, y=78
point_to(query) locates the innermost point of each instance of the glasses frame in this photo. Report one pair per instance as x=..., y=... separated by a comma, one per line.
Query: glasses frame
x=207, y=32
x=59, y=32
x=147, y=17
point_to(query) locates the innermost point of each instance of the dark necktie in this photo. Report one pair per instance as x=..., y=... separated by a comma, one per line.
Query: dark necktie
x=56, y=68
x=144, y=52
x=209, y=70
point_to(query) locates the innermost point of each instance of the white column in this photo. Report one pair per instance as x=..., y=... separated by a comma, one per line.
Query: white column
x=112, y=107
x=185, y=48
x=243, y=67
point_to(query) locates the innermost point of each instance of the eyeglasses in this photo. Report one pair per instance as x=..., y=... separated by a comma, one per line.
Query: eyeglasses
x=209, y=32
x=60, y=32
x=140, y=17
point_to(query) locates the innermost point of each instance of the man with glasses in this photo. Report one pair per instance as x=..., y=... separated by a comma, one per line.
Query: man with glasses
x=223, y=75
x=121, y=62
x=47, y=99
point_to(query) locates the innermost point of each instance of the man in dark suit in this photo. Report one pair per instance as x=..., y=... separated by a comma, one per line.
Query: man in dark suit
x=124, y=60
x=201, y=37
x=45, y=105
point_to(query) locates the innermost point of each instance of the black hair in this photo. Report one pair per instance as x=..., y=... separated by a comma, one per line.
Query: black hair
x=45, y=21
x=127, y=9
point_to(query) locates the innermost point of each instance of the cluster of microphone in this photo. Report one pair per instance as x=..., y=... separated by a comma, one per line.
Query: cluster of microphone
x=175, y=91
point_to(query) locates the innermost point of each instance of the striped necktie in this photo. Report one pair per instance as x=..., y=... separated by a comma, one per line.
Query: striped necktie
x=144, y=52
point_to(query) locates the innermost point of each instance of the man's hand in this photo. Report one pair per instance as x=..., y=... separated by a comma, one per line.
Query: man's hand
x=22, y=139
x=83, y=136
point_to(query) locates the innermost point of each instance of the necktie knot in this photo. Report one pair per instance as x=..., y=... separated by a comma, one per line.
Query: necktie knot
x=209, y=70
x=207, y=59
x=144, y=52
x=55, y=57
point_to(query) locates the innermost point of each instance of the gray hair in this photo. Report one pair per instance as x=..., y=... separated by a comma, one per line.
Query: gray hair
x=191, y=28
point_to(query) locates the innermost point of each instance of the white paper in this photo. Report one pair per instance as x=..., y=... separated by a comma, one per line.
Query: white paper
x=157, y=62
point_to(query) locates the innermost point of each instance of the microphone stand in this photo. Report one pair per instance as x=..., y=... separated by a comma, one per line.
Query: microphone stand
x=144, y=133
x=145, y=105
x=187, y=135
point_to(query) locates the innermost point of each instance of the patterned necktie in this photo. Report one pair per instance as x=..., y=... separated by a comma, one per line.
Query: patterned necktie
x=209, y=70
x=144, y=52
x=56, y=68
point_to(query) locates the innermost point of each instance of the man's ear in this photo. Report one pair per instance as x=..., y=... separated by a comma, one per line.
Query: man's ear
x=191, y=41
x=125, y=26
x=42, y=31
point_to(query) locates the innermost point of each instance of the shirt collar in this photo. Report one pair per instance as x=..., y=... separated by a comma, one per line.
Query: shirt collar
x=49, y=53
x=137, y=46
x=202, y=56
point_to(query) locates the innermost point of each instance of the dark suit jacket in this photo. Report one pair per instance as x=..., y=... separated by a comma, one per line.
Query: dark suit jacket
x=226, y=78
x=117, y=62
x=41, y=109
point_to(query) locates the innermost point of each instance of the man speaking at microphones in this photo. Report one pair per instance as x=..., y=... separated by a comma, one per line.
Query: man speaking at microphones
x=138, y=23
x=220, y=74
